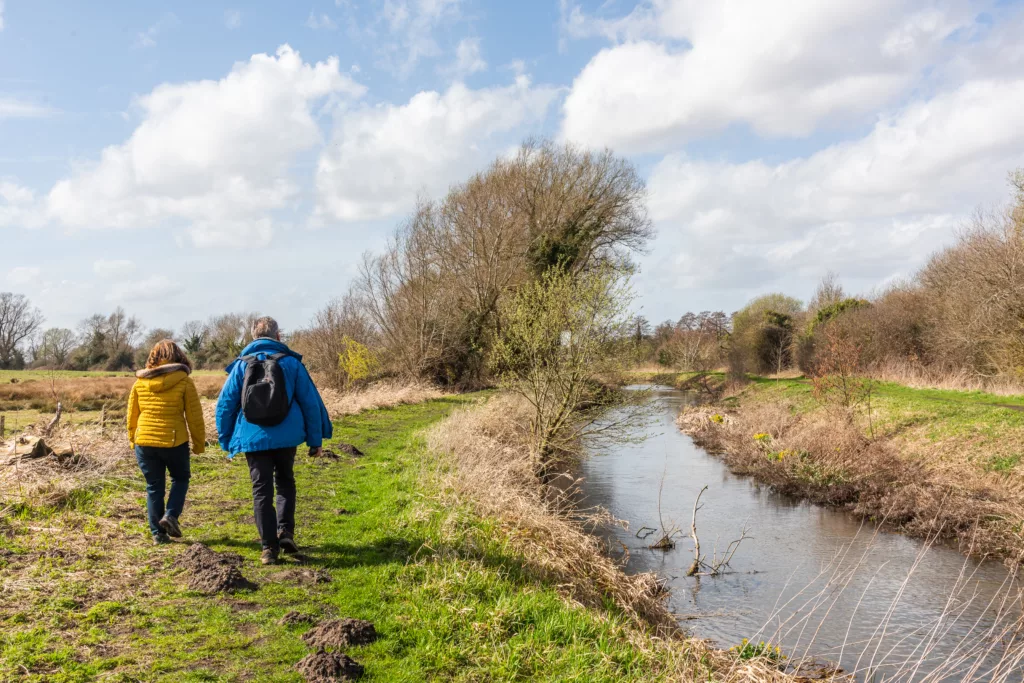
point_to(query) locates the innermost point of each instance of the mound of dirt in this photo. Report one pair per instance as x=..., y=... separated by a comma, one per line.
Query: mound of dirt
x=294, y=618
x=337, y=633
x=346, y=448
x=212, y=572
x=326, y=667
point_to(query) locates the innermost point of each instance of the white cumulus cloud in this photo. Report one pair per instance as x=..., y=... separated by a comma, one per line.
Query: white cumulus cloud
x=782, y=67
x=870, y=207
x=380, y=157
x=212, y=157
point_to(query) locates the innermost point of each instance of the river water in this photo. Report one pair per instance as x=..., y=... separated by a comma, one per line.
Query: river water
x=813, y=580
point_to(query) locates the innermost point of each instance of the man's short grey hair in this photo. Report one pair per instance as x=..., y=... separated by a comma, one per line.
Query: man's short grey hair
x=265, y=327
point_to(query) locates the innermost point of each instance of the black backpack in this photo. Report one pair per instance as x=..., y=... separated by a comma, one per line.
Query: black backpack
x=264, y=396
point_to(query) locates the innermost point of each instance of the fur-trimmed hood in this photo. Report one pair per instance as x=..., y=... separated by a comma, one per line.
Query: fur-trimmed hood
x=150, y=373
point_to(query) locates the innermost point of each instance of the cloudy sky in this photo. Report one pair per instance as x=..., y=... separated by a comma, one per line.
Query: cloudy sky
x=188, y=158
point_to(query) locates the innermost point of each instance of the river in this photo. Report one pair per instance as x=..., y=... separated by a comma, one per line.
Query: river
x=816, y=581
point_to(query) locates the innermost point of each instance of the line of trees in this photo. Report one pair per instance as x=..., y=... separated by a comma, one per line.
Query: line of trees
x=962, y=314
x=113, y=342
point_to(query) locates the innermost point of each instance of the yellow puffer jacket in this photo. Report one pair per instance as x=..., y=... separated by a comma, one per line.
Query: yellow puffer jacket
x=164, y=409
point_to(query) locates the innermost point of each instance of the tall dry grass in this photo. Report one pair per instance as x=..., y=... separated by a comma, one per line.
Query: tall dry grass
x=826, y=458
x=91, y=455
x=484, y=463
x=377, y=395
x=85, y=393
x=918, y=376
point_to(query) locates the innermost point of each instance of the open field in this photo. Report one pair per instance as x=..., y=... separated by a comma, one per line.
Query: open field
x=929, y=461
x=84, y=596
x=38, y=390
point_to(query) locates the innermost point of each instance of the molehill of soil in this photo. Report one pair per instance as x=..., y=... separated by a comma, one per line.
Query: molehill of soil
x=294, y=618
x=326, y=667
x=212, y=572
x=337, y=633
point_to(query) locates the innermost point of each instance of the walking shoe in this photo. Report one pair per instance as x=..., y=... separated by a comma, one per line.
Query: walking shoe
x=170, y=525
x=160, y=539
x=288, y=545
x=269, y=556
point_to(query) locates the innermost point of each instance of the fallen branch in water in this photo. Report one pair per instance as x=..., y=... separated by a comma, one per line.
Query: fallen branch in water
x=700, y=565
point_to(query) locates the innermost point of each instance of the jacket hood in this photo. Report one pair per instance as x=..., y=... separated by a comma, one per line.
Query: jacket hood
x=162, y=381
x=267, y=346
x=168, y=368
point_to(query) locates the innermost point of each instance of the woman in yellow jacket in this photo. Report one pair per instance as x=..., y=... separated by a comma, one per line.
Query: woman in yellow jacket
x=163, y=412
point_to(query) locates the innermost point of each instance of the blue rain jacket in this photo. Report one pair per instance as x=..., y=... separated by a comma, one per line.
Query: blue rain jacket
x=307, y=419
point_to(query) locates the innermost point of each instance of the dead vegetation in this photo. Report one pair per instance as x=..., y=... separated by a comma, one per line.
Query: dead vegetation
x=378, y=395
x=85, y=393
x=828, y=460
x=486, y=463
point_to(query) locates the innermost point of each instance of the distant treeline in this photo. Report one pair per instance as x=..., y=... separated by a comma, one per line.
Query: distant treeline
x=431, y=306
x=962, y=314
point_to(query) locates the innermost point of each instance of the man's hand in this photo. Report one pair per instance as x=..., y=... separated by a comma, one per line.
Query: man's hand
x=316, y=452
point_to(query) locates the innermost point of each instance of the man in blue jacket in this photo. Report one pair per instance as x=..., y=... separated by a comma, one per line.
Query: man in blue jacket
x=270, y=450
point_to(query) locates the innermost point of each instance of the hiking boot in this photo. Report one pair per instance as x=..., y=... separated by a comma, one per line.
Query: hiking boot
x=170, y=526
x=269, y=556
x=288, y=545
x=161, y=539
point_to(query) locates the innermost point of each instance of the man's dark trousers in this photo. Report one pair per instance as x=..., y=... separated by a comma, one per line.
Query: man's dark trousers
x=266, y=468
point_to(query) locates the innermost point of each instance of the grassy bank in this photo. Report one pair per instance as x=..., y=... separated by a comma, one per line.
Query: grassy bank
x=84, y=595
x=936, y=463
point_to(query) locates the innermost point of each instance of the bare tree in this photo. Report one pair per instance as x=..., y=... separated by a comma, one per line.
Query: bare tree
x=18, y=321
x=56, y=347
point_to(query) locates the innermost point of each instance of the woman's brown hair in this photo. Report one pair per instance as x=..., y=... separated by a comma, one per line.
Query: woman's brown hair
x=164, y=352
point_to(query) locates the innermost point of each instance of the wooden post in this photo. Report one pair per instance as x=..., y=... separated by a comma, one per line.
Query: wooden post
x=103, y=418
x=2, y=419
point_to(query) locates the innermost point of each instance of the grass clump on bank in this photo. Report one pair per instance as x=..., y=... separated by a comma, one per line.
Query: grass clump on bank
x=84, y=596
x=934, y=463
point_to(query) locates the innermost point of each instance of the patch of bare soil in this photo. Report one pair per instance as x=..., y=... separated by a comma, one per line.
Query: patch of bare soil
x=333, y=452
x=212, y=572
x=325, y=667
x=338, y=633
x=294, y=618
x=304, y=576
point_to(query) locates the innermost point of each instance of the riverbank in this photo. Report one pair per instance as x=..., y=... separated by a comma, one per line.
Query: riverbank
x=454, y=591
x=938, y=464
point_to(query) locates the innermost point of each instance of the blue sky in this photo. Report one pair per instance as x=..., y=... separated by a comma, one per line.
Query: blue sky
x=185, y=159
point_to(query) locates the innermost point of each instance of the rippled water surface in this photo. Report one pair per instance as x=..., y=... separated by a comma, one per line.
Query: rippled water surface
x=817, y=581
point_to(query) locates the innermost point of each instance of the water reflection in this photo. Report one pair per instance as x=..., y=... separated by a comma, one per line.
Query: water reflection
x=816, y=580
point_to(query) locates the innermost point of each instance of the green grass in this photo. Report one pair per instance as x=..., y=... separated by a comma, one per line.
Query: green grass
x=450, y=601
x=986, y=429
